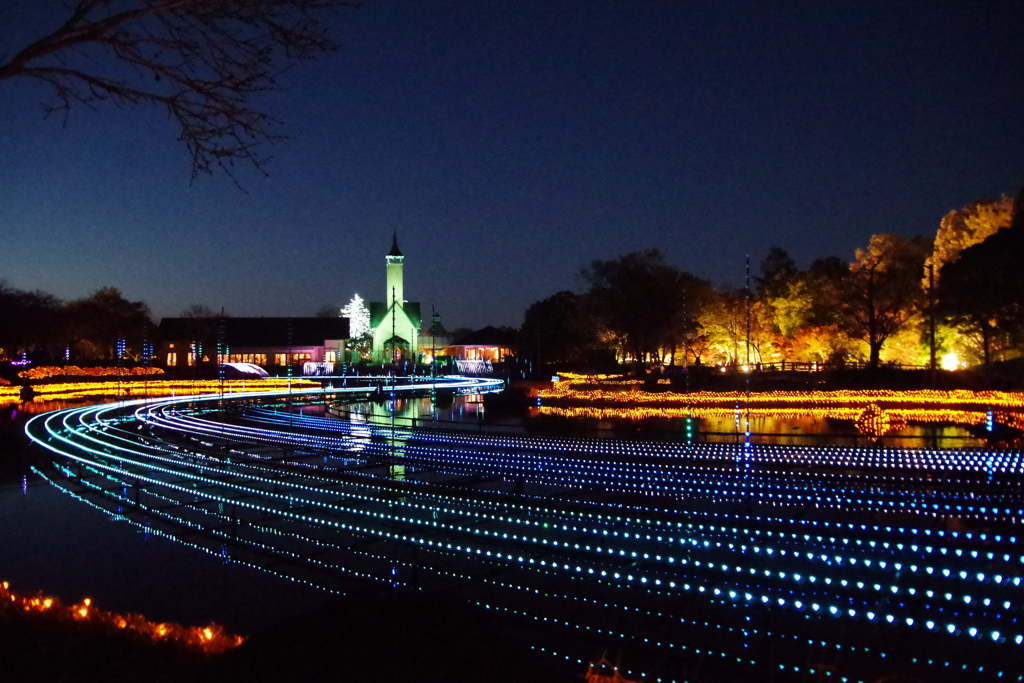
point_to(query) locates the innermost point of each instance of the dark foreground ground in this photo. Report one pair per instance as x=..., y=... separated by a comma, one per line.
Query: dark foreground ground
x=372, y=638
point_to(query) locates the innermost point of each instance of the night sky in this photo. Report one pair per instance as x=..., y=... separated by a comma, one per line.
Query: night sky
x=511, y=143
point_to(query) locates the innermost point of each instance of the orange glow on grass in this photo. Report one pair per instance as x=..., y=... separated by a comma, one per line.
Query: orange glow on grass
x=583, y=390
x=605, y=397
x=210, y=639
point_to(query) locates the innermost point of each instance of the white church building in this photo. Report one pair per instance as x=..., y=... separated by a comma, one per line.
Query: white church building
x=395, y=322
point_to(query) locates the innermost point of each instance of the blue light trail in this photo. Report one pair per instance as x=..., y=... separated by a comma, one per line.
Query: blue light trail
x=825, y=563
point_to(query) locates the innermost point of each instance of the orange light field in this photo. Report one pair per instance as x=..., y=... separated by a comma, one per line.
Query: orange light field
x=210, y=639
x=589, y=390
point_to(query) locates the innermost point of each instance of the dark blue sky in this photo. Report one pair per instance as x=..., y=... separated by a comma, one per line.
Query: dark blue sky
x=510, y=143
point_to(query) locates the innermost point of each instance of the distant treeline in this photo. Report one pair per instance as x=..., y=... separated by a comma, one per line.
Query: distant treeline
x=967, y=284
x=85, y=330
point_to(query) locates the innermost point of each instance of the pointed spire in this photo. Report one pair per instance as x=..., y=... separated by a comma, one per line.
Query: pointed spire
x=394, y=245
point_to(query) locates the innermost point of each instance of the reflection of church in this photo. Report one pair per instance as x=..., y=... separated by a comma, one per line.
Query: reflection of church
x=395, y=322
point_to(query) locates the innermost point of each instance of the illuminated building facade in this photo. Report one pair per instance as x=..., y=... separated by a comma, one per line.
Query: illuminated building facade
x=395, y=322
x=489, y=344
x=267, y=342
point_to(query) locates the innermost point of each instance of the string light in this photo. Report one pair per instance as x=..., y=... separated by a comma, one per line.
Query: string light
x=836, y=549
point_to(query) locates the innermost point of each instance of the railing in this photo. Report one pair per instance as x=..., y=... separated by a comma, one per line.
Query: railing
x=804, y=366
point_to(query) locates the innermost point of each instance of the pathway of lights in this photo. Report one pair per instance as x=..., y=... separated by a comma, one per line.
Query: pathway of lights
x=211, y=639
x=828, y=562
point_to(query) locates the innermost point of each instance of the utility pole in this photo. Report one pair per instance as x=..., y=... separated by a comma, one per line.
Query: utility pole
x=748, y=312
x=433, y=345
x=931, y=316
x=393, y=339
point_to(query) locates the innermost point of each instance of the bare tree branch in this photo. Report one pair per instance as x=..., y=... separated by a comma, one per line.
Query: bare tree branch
x=201, y=60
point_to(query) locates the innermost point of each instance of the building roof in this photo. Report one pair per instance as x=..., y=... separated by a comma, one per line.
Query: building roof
x=488, y=336
x=262, y=332
x=379, y=311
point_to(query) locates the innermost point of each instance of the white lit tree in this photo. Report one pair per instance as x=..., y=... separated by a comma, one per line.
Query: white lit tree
x=359, y=325
x=358, y=316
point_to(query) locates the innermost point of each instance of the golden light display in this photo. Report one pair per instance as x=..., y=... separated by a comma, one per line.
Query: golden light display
x=876, y=422
x=49, y=371
x=840, y=413
x=874, y=412
x=210, y=639
x=582, y=389
x=165, y=387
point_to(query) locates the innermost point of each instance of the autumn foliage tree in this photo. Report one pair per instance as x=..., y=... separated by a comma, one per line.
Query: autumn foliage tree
x=983, y=289
x=202, y=61
x=882, y=291
x=964, y=228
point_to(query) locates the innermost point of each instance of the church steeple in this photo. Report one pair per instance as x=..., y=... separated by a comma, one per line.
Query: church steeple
x=394, y=245
x=395, y=322
x=395, y=276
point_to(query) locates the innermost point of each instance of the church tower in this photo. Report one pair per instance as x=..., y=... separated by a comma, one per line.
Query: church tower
x=395, y=322
x=395, y=272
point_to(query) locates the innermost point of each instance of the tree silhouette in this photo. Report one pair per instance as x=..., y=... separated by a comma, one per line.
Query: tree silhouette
x=637, y=297
x=560, y=329
x=201, y=60
x=94, y=325
x=882, y=291
x=984, y=287
x=27, y=320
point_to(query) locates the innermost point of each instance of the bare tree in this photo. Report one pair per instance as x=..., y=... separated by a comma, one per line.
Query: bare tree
x=201, y=60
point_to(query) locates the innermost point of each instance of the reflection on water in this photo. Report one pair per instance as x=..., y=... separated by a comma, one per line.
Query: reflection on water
x=912, y=427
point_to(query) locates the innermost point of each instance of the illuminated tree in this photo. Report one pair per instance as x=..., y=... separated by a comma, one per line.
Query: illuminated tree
x=358, y=317
x=684, y=328
x=979, y=286
x=824, y=344
x=792, y=309
x=202, y=61
x=724, y=324
x=984, y=288
x=359, y=326
x=882, y=291
x=961, y=229
x=807, y=298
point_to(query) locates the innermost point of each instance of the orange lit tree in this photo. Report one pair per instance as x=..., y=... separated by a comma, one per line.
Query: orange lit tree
x=983, y=289
x=882, y=291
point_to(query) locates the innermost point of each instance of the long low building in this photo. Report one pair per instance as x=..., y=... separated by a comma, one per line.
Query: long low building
x=272, y=343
